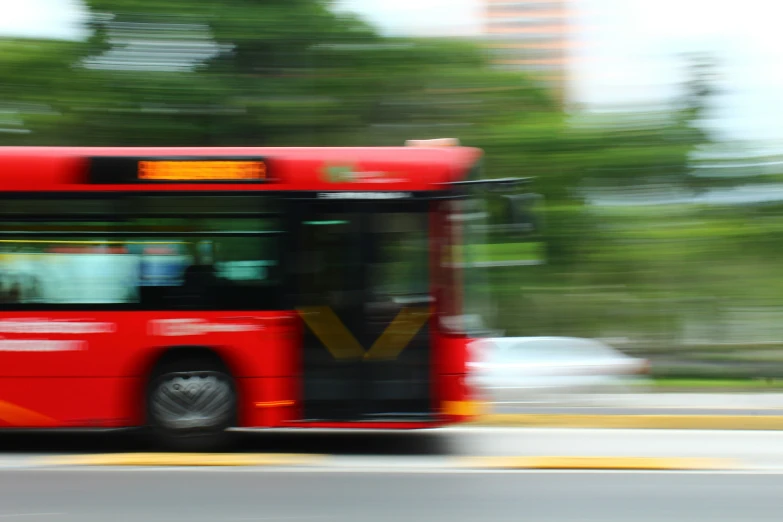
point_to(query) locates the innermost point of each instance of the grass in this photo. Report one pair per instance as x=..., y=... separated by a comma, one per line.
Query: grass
x=719, y=383
x=494, y=252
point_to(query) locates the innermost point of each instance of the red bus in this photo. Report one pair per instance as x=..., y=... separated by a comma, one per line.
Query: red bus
x=199, y=291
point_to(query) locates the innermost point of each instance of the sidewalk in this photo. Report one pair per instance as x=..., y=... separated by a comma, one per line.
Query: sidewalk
x=723, y=411
x=691, y=401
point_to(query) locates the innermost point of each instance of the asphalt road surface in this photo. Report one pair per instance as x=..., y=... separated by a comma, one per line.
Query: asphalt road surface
x=251, y=495
x=385, y=477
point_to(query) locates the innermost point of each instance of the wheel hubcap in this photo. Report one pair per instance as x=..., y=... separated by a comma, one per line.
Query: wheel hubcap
x=192, y=401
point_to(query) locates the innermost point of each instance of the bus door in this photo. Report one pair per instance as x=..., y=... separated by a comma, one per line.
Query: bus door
x=361, y=280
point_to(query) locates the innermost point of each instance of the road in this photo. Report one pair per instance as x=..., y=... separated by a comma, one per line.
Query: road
x=403, y=476
x=252, y=495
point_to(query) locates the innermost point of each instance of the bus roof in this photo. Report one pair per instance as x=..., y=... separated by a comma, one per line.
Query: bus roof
x=56, y=169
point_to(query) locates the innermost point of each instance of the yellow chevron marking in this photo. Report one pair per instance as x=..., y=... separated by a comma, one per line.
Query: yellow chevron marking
x=341, y=343
x=398, y=334
x=331, y=331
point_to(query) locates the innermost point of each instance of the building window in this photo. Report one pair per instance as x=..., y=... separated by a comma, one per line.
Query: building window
x=527, y=37
x=516, y=6
x=523, y=21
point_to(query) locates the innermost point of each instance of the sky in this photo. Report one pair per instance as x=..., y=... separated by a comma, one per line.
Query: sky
x=626, y=51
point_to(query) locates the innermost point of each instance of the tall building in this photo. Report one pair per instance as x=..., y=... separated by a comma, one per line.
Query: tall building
x=530, y=35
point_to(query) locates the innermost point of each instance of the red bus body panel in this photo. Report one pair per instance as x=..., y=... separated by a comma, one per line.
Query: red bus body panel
x=93, y=367
x=41, y=169
x=110, y=360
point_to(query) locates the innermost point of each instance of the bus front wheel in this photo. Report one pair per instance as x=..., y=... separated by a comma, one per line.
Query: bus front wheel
x=190, y=406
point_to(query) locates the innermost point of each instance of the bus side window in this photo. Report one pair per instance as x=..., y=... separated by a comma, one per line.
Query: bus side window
x=133, y=251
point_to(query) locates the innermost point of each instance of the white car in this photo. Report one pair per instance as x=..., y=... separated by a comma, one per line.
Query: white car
x=528, y=369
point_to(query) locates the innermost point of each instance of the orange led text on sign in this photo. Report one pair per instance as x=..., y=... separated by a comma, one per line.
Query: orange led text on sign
x=202, y=170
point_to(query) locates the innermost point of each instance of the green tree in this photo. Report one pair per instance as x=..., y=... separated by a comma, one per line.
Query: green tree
x=294, y=73
x=35, y=73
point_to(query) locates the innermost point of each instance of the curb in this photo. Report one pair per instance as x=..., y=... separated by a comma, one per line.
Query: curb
x=598, y=463
x=649, y=421
x=182, y=459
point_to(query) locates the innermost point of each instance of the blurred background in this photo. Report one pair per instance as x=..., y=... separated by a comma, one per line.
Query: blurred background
x=651, y=131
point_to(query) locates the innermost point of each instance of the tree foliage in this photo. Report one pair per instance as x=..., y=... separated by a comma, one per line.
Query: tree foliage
x=296, y=72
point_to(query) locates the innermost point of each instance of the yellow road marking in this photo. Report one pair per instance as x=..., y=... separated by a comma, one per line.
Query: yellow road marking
x=181, y=459
x=618, y=463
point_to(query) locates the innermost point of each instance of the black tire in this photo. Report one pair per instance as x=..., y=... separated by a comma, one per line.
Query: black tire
x=190, y=405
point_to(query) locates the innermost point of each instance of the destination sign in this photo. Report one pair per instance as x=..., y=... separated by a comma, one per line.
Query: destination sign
x=202, y=170
x=178, y=169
